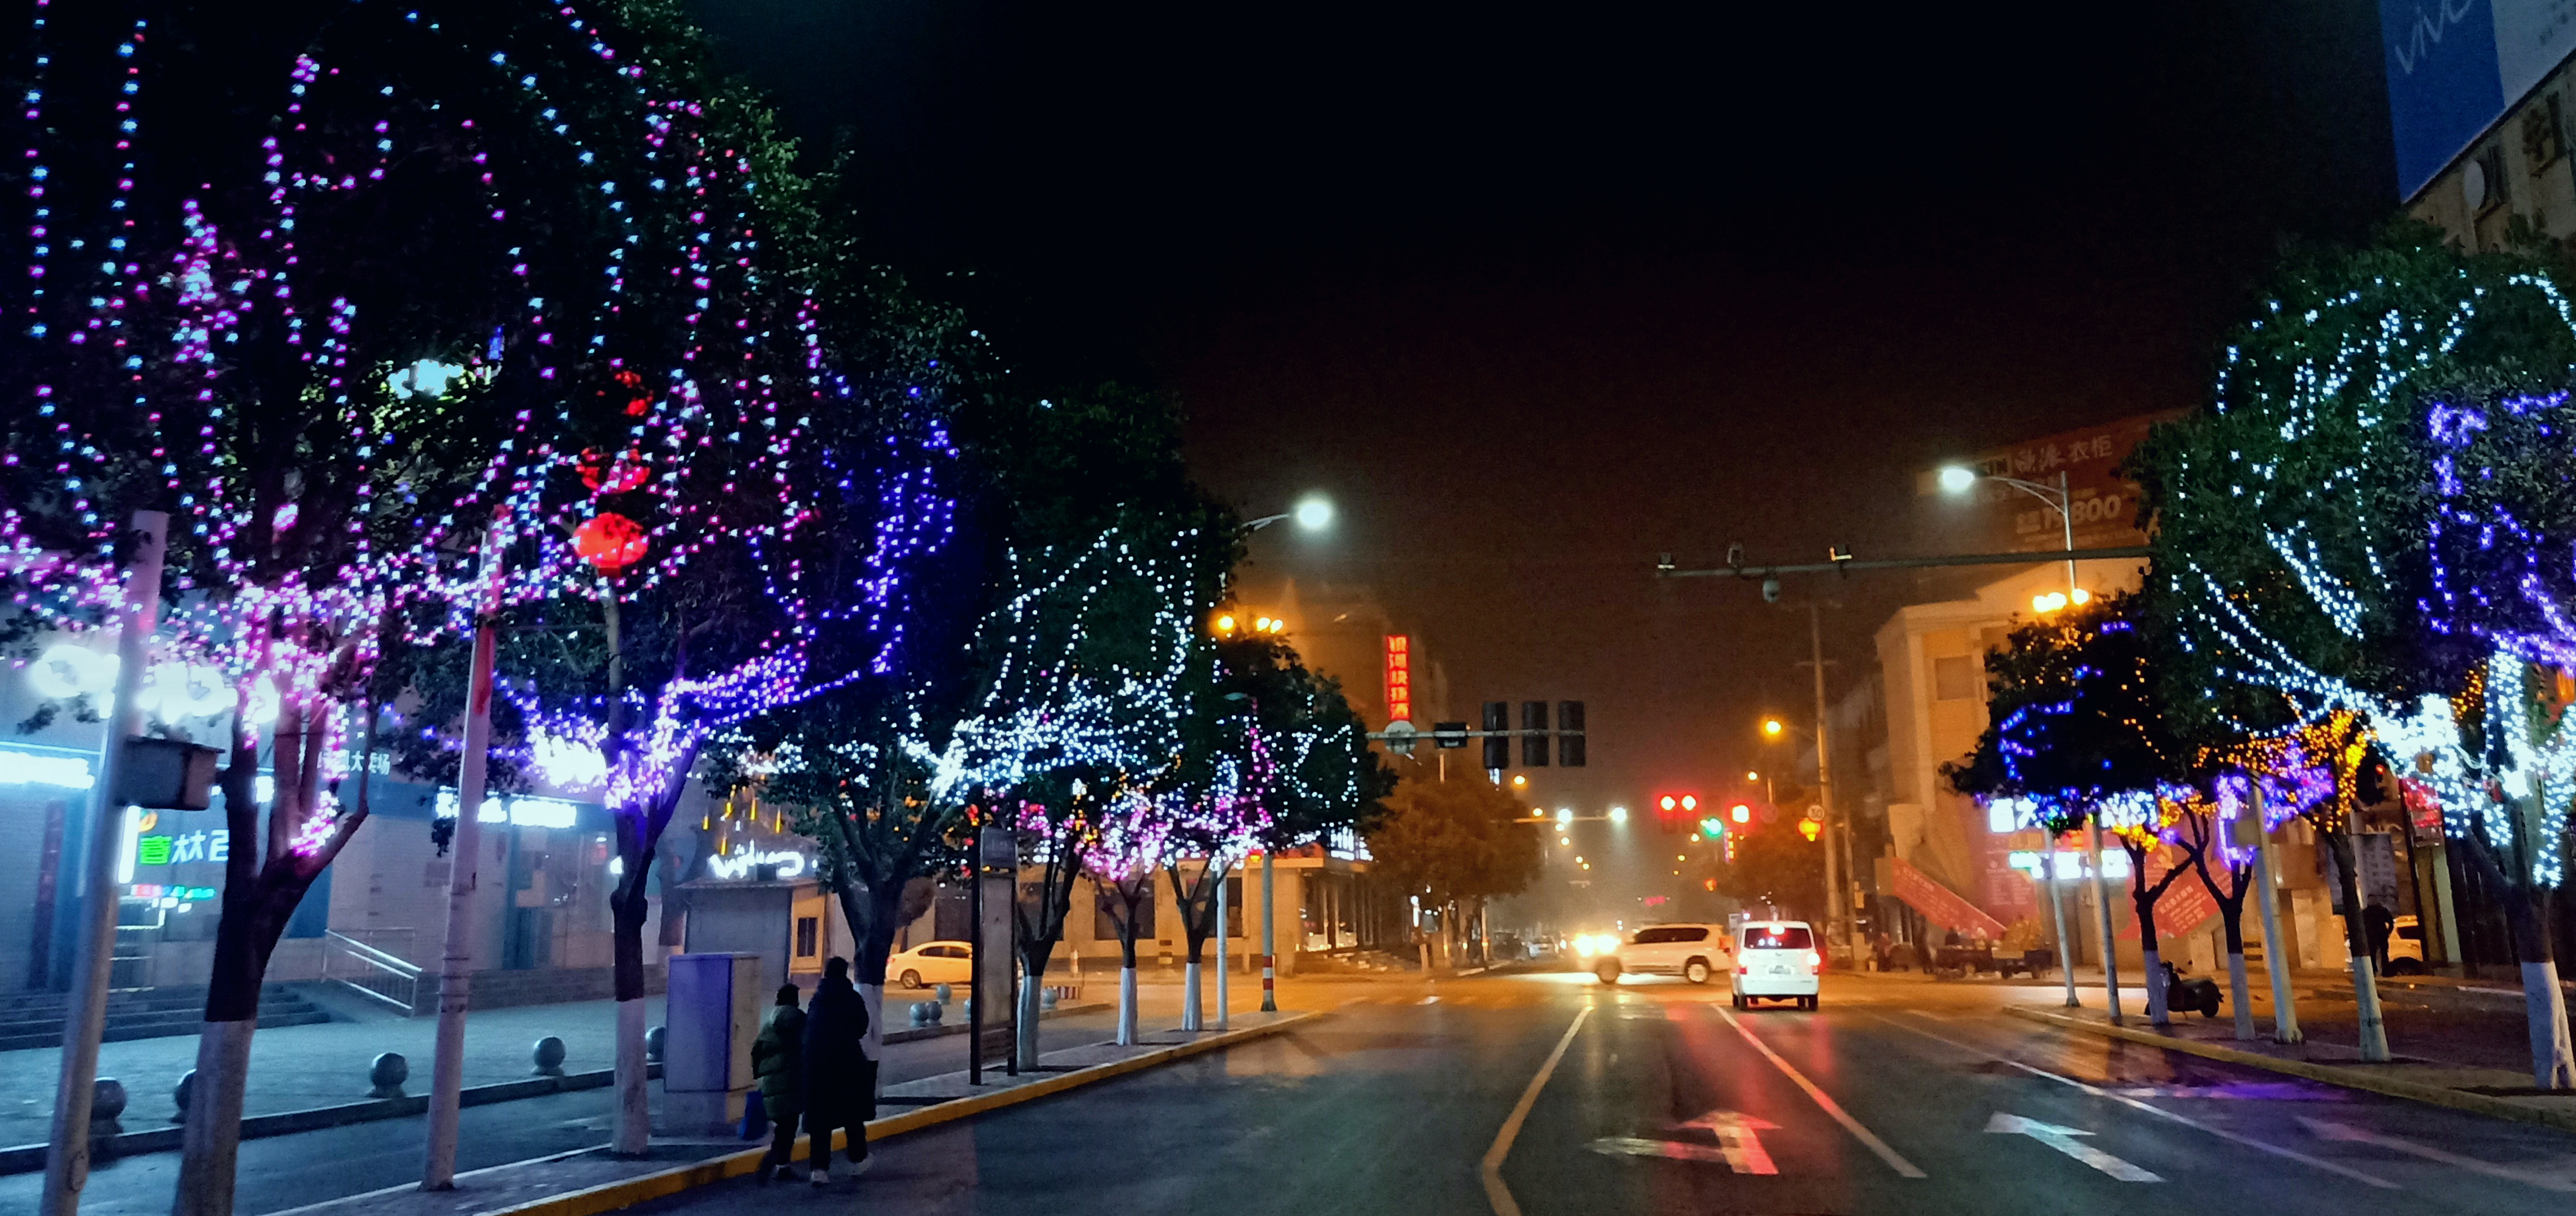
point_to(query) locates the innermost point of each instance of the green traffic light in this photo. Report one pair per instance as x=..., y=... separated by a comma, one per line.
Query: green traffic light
x=1713, y=828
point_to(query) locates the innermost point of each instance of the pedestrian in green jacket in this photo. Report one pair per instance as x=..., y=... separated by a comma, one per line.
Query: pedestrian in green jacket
x=778, y=1064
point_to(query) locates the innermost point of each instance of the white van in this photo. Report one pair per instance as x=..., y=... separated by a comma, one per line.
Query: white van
x=1693, y=952
x=1777, y=959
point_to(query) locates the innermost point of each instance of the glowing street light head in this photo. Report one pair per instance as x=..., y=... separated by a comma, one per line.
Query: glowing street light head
x=1618, y=814
x=1752, y=776
x=1957, y=478
x=1315, y=513
x=1565, y=814
x=1518, y=781
x=1773, y=726
x=1225, y=623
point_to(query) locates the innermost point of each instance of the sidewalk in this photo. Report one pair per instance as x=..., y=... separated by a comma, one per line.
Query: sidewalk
x=584, y=1183
x=301, y=1067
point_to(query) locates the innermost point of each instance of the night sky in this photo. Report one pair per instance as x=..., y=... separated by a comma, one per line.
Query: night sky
x=1538, y=294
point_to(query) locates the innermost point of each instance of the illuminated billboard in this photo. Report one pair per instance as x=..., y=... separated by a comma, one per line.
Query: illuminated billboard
x=2454, y=68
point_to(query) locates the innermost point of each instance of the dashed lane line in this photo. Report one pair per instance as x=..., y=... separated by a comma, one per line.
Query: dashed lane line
x=1895, y=1160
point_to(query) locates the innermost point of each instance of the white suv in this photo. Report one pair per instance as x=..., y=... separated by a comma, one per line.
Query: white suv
x=1693, y=952
x=1781, y=961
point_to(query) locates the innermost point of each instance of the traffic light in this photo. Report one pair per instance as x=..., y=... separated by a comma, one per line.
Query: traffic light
x=1668, y=812
x=1712, y=828
x=1498, y=747
x=1741, y=812
x=1569, y=733
x=1534, y=746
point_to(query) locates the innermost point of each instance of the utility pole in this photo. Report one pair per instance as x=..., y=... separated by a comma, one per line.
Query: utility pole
x=67, y=1152
x=1836, y=925
x=1269, y=945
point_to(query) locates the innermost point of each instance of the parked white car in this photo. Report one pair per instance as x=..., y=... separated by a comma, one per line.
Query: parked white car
x=933, y=963
x=1778, y=960
x=1693, y=952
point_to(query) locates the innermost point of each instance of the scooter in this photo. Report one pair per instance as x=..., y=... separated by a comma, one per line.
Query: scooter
x=2180, y=993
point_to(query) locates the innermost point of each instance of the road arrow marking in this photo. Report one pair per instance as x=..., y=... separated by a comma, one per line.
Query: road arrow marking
x=1735, y=1137
x=2349, y=1134
x=1673, y=1150
x=2063, y=1140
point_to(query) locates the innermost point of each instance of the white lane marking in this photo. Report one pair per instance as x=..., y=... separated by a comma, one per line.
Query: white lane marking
x=1894, y=1160
x=2063, y=1140
x=1496, y=1193
x=2157, y=1111
x=2354, y=1135
x=1736, y=1139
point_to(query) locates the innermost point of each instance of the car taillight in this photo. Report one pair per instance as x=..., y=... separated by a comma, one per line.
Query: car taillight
x=1815, y=963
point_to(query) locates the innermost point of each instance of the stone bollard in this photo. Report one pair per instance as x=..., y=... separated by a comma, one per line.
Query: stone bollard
x=1046, y=999
x=653, y=1044
x=942, y=995
x=179, y=1094
x=107, y=1101
x=921, y=1013
x=385, y=1077
x=549, y=1056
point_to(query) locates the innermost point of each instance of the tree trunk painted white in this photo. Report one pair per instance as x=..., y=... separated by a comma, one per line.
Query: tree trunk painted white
x=2238, y=992
x=1126, y=1006
x=2372, y=1024
x=1026, y=1045
x=634, y=1132
x=872, y=998
x=2553, y=1066
x=1224, y=989
x=213, y=1135
x=2277, y=947
x=1191, y=1018
x=2156, y=996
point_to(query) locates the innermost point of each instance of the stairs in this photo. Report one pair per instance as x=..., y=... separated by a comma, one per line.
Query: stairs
x=35, y=1019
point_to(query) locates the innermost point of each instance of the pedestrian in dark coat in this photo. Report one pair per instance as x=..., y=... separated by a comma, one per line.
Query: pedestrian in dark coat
x=840, y=1080
x=778, y=1064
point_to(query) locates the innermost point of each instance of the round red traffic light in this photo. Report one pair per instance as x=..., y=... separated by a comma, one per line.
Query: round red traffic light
x=1670, y=802
x=1741, y=813
x=1690, y=802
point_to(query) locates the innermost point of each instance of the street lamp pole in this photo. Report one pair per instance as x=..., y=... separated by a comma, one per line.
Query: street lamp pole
x=1837, y=924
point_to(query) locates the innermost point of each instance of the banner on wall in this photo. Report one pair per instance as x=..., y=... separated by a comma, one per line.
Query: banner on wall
x=2455, y=66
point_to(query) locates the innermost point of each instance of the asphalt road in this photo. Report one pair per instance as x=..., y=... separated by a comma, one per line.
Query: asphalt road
x=282, y=1172
x=1895, y=1097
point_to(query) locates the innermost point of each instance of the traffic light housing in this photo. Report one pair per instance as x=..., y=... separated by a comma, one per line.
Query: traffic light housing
x=1498, y=746
x=1569, y=733
x=1534, y=746
x=1668, y=813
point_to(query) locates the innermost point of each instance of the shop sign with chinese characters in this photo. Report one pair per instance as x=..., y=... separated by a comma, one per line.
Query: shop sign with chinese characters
x=1399, y=677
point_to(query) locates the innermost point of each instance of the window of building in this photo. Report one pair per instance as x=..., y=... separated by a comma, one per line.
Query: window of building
x=2544, y=134
x=2486, y=189
x=809, y=931
x=1954, y=678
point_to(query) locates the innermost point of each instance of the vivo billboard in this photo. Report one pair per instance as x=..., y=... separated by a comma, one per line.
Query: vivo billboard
x=2454, y=66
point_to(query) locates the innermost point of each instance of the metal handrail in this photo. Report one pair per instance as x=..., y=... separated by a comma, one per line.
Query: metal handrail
x=386, y=977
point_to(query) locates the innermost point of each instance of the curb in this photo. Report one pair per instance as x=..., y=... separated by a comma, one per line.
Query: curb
x=29, y=1158
x=2392, y=1087
x=610, y=1196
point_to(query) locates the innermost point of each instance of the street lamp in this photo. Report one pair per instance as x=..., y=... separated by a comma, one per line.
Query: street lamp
x=1618, y=814
x=1958, y=479
x=1313, y=513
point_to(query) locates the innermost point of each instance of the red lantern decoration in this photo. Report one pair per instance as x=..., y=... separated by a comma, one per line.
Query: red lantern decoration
x=610, y=542
x=605, y=478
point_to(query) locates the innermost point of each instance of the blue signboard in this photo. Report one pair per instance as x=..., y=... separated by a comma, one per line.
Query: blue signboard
x=2455, y=65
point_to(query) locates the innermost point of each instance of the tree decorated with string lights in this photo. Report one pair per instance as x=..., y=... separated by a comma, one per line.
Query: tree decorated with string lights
x=2354, y=542
x=336, y=286
x=2074, y=736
